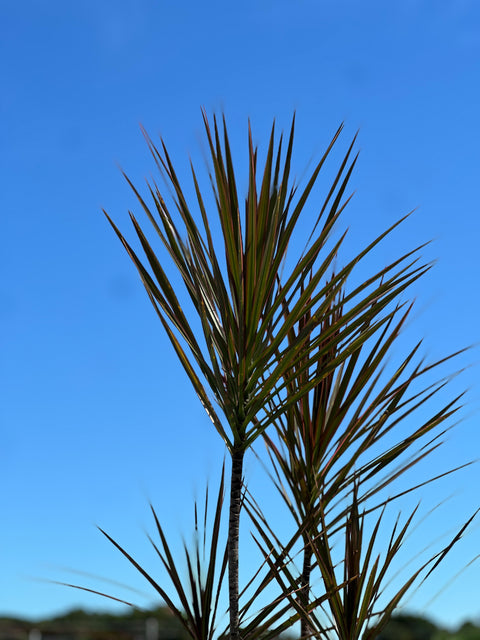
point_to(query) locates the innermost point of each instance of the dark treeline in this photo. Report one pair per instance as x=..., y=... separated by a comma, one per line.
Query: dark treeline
x=134, y=624
x=160, y=624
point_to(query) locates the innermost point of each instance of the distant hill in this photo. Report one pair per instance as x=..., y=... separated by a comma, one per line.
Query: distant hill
x=405, y=627
x=160, y=624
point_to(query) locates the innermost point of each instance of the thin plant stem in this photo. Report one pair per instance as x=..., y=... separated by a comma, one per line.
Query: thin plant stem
x=233, y=538
x=305, y=629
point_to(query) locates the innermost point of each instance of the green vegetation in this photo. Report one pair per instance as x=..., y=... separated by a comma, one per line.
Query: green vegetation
x=82, y=625
x=132, y=625
x=292, y=345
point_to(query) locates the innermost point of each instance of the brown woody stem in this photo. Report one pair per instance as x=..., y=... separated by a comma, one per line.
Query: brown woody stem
x=305, y=629
x=233, y=536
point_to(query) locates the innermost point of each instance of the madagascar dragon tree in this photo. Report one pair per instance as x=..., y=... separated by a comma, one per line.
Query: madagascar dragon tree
x=286, y=346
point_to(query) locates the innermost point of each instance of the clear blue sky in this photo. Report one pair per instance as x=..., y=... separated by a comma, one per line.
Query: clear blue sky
x=96, y=415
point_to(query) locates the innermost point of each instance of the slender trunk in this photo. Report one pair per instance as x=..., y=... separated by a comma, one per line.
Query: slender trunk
x=305, y=629
x=233, y=535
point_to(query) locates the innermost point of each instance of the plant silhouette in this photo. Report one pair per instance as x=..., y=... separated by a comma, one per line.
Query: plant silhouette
x=288, y=347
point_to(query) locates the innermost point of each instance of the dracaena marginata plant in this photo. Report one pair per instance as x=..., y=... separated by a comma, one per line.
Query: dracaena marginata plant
x=338, y=434
x=353, y=576
x=273, y=330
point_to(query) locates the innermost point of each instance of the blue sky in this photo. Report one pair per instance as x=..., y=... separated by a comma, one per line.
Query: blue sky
x=96, y=415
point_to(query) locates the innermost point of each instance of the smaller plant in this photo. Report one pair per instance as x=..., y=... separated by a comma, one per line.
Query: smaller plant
x=353, y=605
x=199, y=594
